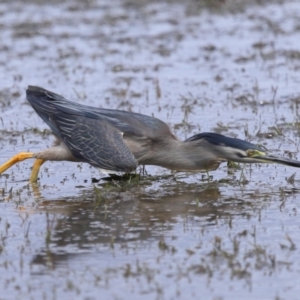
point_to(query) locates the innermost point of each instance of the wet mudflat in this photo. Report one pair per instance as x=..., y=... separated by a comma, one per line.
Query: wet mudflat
x=199, y=66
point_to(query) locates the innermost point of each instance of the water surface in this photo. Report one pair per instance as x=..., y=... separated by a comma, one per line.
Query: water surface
x=221, y=67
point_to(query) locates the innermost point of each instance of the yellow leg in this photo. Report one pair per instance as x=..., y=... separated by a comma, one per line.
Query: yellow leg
x=35, y=169
x=19, y=157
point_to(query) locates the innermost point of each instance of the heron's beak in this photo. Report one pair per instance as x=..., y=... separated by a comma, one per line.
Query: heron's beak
x=262, y=157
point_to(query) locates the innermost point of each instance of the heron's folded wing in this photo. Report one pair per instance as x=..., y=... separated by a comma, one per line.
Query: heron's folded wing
x=98, y=142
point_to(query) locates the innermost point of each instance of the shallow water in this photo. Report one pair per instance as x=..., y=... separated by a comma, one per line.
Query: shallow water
x=220, y=67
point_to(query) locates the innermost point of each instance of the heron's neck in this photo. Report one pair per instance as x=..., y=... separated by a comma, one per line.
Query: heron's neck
x=181, y=156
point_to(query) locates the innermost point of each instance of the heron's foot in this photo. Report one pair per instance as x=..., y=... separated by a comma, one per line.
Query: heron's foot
x=15, y=159
x=20, y=157
x=35, y=169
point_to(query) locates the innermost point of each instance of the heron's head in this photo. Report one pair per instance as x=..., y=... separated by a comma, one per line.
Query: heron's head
x=237, y=150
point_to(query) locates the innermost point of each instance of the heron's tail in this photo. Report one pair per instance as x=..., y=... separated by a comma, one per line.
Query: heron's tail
x=49, y=105
x=43, y=101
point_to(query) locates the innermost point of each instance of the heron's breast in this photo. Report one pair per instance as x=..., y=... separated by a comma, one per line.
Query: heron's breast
x=139, y=147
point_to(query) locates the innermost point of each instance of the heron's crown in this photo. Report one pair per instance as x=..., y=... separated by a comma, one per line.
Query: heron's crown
x=221, y=140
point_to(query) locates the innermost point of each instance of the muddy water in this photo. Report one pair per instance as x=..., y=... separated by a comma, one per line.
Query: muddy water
x=213, y=66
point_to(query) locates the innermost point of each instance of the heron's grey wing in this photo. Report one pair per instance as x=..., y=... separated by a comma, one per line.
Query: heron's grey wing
x=48, y=104
x=99, y=143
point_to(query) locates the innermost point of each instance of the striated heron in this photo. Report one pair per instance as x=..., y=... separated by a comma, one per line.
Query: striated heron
x=119, y=141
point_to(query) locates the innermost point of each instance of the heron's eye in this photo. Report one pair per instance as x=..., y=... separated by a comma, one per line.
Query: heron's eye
x=250, y=153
